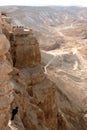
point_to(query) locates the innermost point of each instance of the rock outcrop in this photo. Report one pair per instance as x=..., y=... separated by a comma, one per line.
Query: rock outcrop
x=29, y=89
x=5, y=69
x=29, y=100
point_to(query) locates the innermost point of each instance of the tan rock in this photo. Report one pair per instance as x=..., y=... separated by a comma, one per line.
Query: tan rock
x=41, y=105
x=45, y=94
x=4, y=44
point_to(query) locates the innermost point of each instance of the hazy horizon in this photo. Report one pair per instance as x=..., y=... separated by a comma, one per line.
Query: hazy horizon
x=44, y=3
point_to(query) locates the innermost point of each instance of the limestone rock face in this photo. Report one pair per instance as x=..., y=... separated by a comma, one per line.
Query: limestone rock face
x=35, y=97
x=5, y=69
x=4, y=45
x=25, y=48
x=29, y=88
x=41, y=104
x=26, y=86
x=45, y=95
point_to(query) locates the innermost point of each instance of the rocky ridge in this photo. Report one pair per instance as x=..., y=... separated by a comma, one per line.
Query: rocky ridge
x=41, y=104
x=24, y=85
x=55, y=27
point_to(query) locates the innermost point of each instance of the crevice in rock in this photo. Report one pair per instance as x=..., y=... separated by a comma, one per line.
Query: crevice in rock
x=14, y=112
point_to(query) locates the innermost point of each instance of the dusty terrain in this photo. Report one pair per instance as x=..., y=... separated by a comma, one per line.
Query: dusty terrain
x=55, y=27
x=61, y=32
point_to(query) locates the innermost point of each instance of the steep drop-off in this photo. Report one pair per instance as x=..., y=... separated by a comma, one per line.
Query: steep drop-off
x=29, y=100
x=28, y=97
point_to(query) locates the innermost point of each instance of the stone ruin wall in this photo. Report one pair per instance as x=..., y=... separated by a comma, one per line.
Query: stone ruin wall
x=24, y=46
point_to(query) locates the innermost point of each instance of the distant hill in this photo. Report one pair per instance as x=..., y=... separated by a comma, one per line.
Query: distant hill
x=50, y=23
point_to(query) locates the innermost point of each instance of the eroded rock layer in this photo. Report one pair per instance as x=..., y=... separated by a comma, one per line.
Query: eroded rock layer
x=28, y=99
x=30, y=96
x=5, y=69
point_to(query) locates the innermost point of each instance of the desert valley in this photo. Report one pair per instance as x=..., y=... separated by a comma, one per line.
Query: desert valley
x=43, y=68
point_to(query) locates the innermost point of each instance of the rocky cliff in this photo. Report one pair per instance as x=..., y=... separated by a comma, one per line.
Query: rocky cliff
x=29, y=100
x=27, y=96
x=5, y=68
